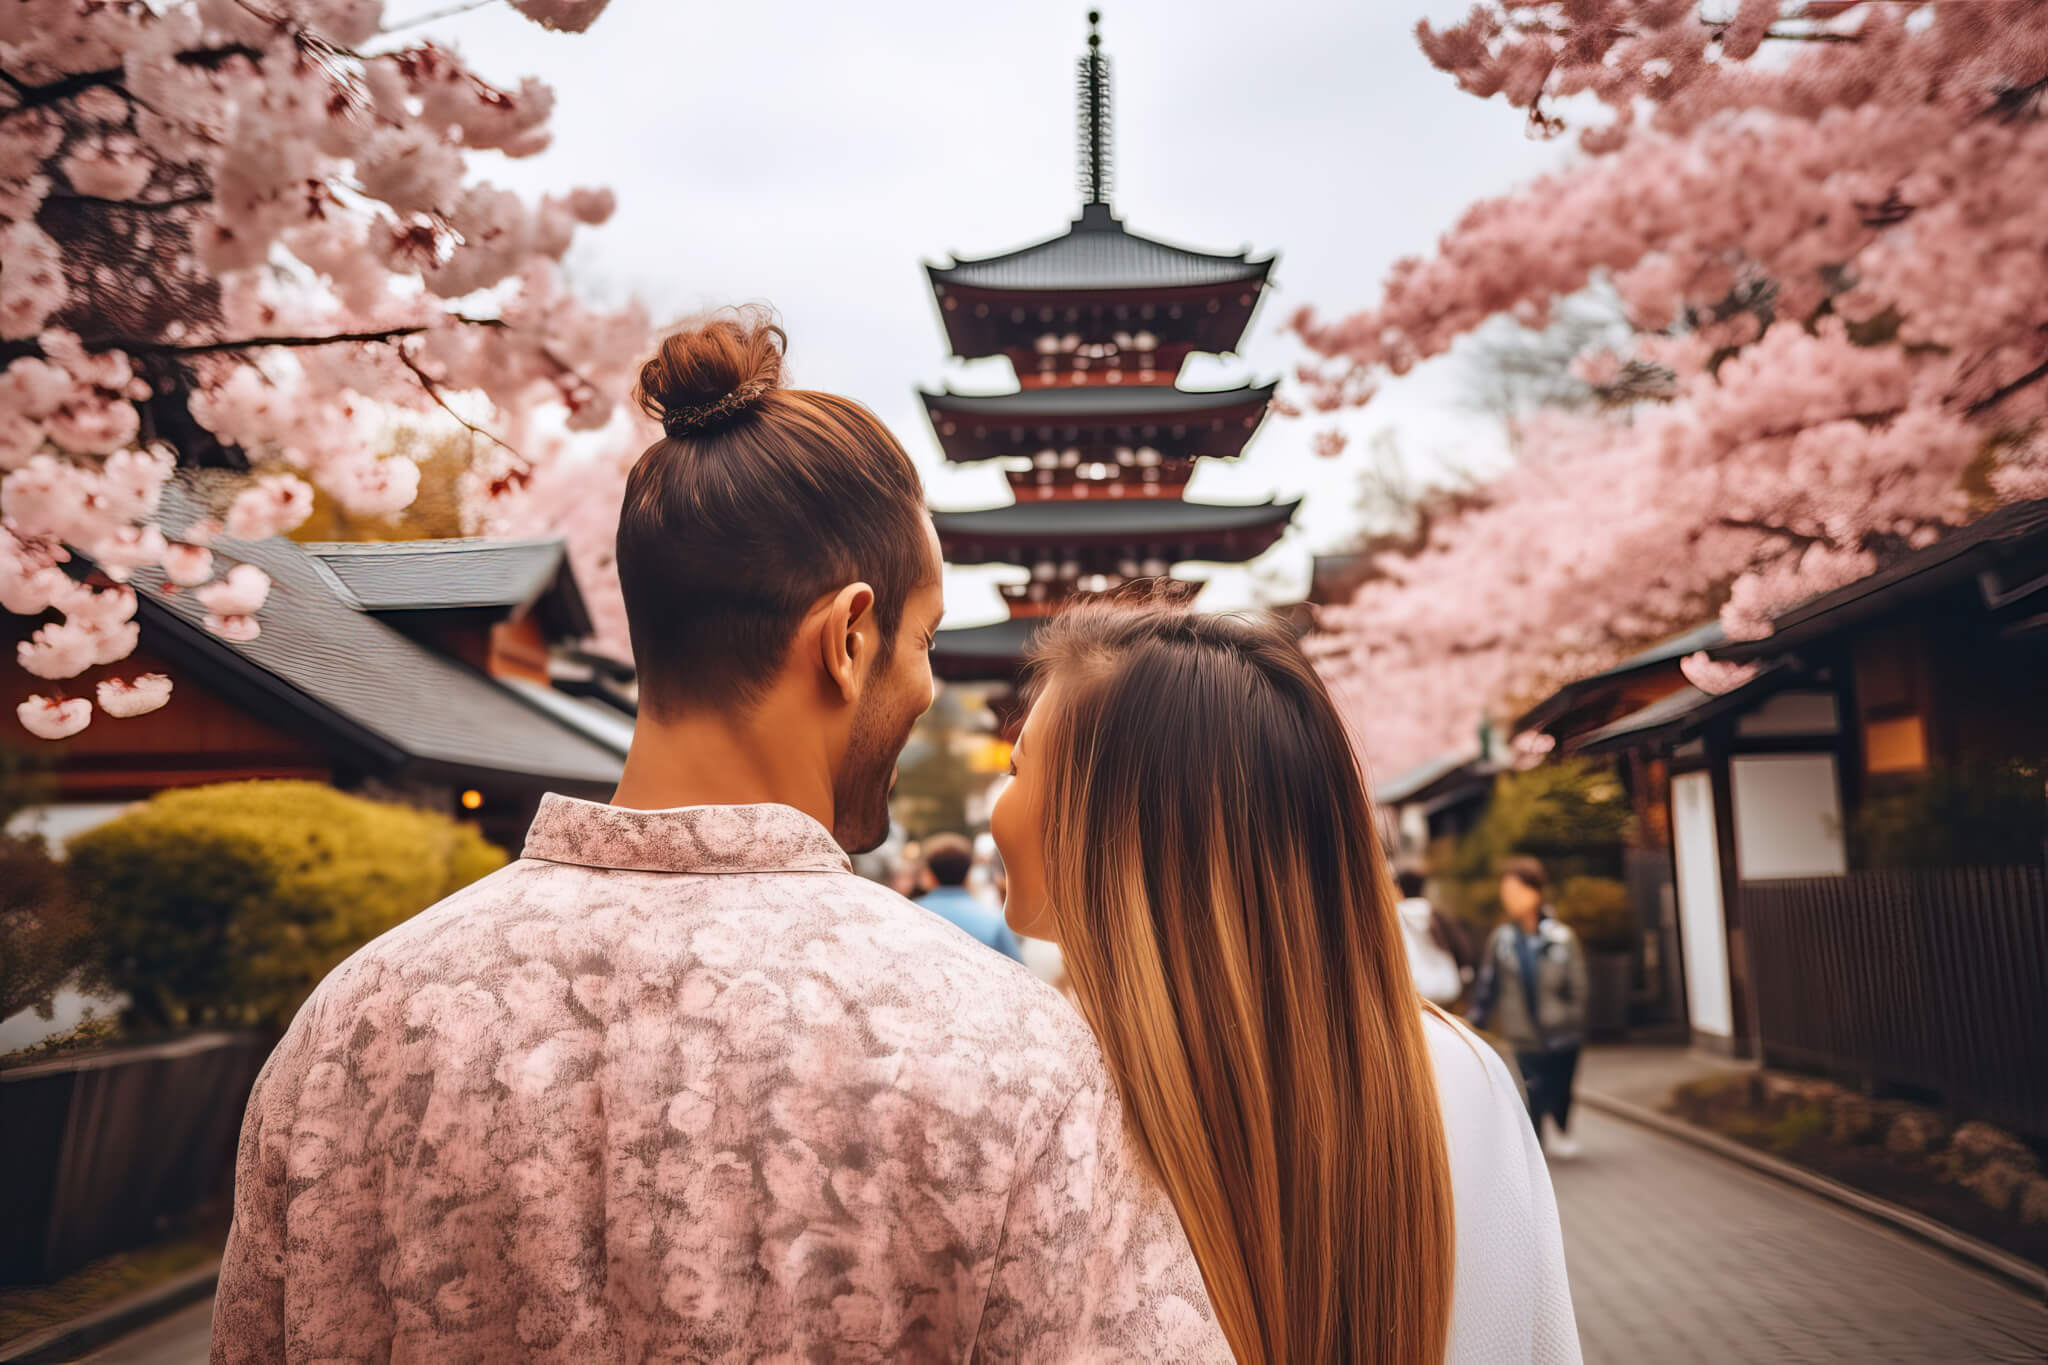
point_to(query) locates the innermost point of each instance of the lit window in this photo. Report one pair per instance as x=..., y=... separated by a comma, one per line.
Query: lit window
x=1898, y=745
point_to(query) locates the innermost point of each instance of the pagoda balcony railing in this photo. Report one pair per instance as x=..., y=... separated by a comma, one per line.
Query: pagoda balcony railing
x=1104, y=318
x=1046, y=486
x=1043, y=599
x=1071, y=431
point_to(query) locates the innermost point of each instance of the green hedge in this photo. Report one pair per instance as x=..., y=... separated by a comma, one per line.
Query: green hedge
x=224, y=906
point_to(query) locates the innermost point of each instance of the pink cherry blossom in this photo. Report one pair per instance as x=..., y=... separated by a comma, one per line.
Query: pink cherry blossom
x=275, y=505
x=138, y=696
x=1714, y=676
x=1832, y=255
x=571, y=16
x=58, y=650
x=188, y=565
x=240, y=629
x=275, y=205
x=96, y=608
x=54, y=718
x=128, y=549
x=374, y=487
x=242, y=593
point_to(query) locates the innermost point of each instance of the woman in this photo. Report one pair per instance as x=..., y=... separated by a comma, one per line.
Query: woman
x=1355, y=1174
x=1532, y=987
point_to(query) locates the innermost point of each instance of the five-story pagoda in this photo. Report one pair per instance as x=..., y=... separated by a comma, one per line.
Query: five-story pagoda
x=1098, y=441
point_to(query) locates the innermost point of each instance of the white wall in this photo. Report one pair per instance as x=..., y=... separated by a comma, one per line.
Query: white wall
x=1788, y=816
x=1702, y=926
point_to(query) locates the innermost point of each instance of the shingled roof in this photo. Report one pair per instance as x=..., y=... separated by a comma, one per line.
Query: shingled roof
x=460, y=575
x=1099, y=252
x=322, y=660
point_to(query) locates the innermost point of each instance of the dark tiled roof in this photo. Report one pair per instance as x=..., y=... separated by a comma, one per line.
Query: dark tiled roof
x=1678, y=716
x=1098, y=252
x=1699, y=638
x=1097, y=402
x=990, y=651
x=325, y=660
x=440, y=575
x=1952, y=559
x=1428, y=779
x=1112, y=518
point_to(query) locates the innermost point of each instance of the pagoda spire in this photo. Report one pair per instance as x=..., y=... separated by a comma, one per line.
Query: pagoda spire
x=1092, y=88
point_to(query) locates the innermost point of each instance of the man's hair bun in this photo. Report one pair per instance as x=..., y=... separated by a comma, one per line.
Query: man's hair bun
x=711, y=374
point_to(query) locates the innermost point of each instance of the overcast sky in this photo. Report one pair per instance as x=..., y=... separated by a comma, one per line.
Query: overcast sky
x=813, y=155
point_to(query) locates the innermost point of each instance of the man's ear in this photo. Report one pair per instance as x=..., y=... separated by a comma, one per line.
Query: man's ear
x=846, y=638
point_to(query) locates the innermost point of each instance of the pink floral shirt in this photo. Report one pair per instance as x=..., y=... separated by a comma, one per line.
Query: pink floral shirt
x=679, y=1086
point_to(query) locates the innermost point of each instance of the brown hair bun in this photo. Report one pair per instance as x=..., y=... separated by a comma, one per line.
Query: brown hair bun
x=705, y=376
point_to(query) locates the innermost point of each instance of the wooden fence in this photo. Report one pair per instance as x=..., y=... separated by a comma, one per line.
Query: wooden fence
x=1935, y=980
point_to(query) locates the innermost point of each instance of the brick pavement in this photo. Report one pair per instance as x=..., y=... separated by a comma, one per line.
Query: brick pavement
x=1678, y=1256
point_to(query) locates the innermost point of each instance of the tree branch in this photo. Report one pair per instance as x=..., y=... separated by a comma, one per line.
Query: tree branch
x=138, y=205
x=1770, y=529
x=433, y=391
x=38, y=96
x=2005, y=391
x=435, y=16
x=10, y=350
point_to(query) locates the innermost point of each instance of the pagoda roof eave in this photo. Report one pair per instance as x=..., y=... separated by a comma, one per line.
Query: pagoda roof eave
x=1097, y=252
x=1111, y=521
x=984, y=652
x=1094, y=403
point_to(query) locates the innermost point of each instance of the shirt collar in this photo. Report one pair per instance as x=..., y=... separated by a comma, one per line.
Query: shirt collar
x=702, y=839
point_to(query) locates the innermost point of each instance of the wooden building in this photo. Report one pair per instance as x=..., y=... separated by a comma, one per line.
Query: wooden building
x=1798, y=943
x=1098, y=441
x=416, y=671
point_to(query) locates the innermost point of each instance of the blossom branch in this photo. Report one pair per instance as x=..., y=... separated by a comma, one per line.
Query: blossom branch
x=433, y=391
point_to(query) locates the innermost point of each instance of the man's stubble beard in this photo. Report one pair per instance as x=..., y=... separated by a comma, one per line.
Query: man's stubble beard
x=861, y=806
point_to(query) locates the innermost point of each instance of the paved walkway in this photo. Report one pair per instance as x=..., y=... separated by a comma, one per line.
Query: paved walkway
x=1679, y=1256
x=1676, y=1256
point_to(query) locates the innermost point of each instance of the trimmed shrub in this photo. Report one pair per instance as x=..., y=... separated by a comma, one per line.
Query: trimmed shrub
x=224, y=906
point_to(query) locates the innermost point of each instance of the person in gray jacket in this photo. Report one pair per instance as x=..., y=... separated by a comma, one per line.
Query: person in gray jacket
x=1532, y=991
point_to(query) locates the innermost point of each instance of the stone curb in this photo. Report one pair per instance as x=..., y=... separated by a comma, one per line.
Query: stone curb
x=2025, y=1274
x=73, y=1339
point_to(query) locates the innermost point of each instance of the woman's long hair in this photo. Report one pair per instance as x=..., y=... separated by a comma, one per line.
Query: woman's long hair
x=1228, y=924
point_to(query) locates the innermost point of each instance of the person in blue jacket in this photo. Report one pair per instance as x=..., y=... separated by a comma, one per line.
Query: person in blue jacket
x=947, y=860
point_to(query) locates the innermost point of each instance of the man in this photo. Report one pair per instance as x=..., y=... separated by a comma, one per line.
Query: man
x=677, y=1085
x=948, y=858
x=1533, y=976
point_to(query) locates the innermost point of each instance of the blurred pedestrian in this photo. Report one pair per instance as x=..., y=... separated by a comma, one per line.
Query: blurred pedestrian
x=948, y=858
x=1439, y=955
x=1532, y=989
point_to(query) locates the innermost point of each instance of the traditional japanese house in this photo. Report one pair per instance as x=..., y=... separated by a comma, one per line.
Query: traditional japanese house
x=417, y=671
x=1855, y=826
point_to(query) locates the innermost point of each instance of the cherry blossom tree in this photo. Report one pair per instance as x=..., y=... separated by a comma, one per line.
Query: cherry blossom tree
x=1828, y=226
x=246, y=234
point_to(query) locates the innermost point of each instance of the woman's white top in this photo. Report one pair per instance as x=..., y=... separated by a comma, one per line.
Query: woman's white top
x=1510, y=1301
